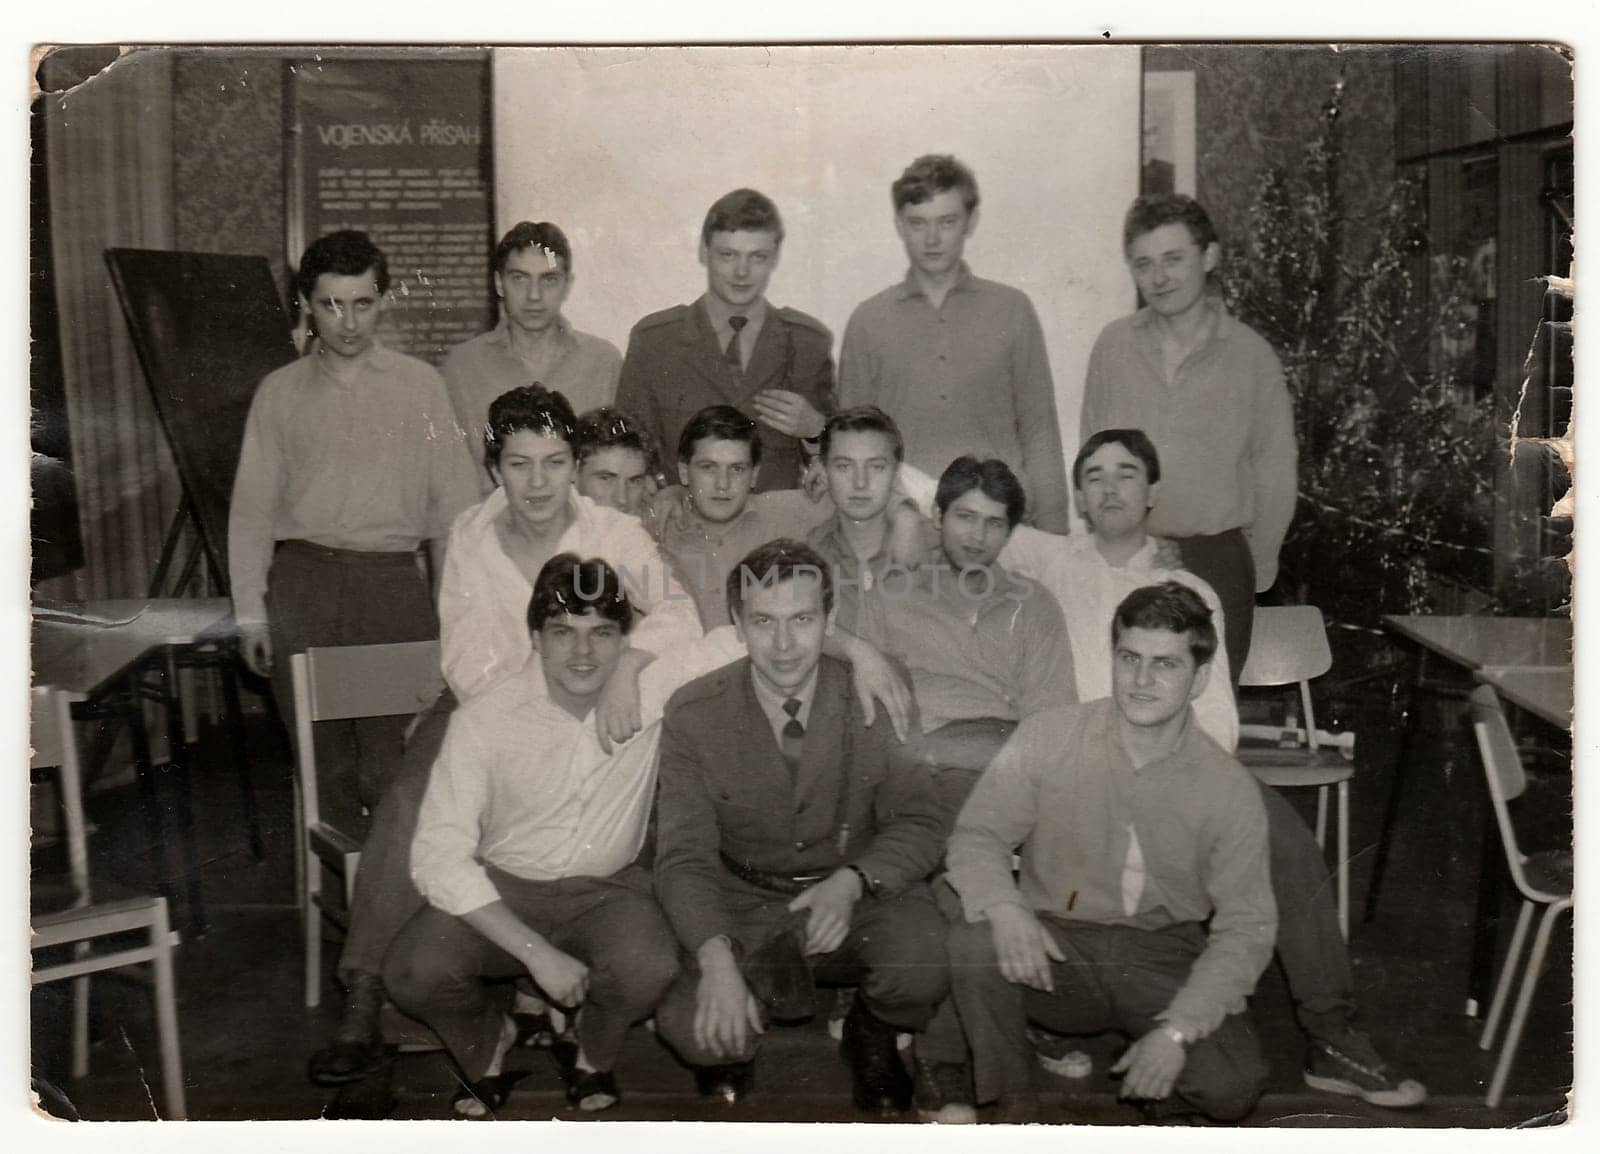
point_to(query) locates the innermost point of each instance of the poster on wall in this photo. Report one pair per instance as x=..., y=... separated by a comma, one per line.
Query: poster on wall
x=399, y=148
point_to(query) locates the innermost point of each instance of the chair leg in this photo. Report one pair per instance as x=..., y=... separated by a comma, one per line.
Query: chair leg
x=1519, y=1016
x=1508, y=973
x=313, y=924
x=1322, y=816
x=1343, y=850
x=167, y=1016
x=80, y=1019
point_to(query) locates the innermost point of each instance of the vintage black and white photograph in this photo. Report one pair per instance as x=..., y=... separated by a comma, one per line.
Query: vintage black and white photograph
x=948, y=583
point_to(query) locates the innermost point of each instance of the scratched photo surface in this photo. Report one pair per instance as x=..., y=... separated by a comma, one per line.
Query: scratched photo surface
x=1392, y=269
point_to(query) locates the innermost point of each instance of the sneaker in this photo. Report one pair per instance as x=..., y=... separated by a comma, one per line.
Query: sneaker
x=943, y=1092
x=1346, y=1063
x=1058, y=1054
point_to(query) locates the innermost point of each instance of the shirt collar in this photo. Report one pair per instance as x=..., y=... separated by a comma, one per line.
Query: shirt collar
x=500, y=335
x=1222, y=324
x=772, y=701
x=718, y=310
x=965, y=282
x=1184, y=751
x=834, y=546
x=378, y=358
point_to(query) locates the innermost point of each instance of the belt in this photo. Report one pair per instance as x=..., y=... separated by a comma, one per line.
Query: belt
x=778, y=883
x=349, y=556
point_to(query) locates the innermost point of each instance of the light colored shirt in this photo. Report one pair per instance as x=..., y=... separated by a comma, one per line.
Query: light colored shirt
x=703, y=552
x=971, y=376
x=858, y=584
x=585, y=371
x=772, y=703
x=754, y=316
x=993, y=648
x=522, y=785
x=1066, y=791
x=1089, y=589
x=1223, y=429
x=483, y=596
x=375, y=463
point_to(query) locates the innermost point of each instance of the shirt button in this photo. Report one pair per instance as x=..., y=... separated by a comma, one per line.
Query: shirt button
x=799, y=845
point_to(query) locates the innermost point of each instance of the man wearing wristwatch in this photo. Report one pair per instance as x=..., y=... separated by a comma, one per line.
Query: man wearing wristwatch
x=1135, y=828
x=793, y=837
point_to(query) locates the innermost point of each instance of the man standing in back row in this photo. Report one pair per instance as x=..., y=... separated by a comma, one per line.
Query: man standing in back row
x=731, y=347
x=1209, y=392
x=958, y=361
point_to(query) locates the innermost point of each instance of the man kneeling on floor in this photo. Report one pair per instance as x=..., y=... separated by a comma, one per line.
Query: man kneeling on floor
x=1135, y=828
x=793, y=838
x=526, y=844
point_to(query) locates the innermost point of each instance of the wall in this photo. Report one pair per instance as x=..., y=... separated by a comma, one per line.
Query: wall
x=626, y=148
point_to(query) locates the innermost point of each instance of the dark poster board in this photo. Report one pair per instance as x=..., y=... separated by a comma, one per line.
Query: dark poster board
x=399, y=148
x=207, y=327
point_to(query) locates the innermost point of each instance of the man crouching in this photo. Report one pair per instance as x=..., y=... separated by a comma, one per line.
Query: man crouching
x=793, y=840
x=1135, y=828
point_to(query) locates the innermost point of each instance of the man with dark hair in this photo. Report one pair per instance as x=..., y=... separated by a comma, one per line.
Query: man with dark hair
x=533, y=343
x=1116, y=476
x=526, y=843
x=351, y=459
x=615, y=459
x=722, y=518
x=1210, y=394
x=1144, y=902
x=731, y=347
x=960, y=361
x=793, y=837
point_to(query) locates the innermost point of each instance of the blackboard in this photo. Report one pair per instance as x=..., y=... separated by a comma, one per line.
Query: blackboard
x=207, y=328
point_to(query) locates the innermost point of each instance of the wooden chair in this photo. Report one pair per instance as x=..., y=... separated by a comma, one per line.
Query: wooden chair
x=1543, y=879
x=1289, y=646
x=85, y=922
x=337, y=684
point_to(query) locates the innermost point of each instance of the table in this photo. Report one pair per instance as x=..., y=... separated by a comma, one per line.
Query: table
x=1545, y=693
x=110, y=657
x=1533, y=648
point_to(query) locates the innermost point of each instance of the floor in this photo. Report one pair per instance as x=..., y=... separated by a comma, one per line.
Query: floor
x=247, y=1034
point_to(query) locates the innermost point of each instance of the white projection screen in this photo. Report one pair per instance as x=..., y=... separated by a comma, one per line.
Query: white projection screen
x=626, y=148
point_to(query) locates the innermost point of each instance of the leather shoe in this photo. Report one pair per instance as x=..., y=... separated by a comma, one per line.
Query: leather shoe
x=357, y=1051
x=729, y=1083
x=880, y=1083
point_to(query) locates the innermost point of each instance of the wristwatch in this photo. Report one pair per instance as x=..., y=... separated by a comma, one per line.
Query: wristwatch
x=1174, y=1033
x=867, y=888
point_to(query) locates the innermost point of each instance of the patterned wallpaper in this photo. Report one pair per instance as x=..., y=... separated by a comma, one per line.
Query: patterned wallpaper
x=1257, y=105
x=228, y=154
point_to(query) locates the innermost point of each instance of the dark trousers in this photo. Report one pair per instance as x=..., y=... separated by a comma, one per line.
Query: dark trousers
x=438, y=966
x=1224, y=562
x=894, y=952
x=957, y=753
x=1311, y=950
x=1113, y=978
x=385, y=898
x=317, y=596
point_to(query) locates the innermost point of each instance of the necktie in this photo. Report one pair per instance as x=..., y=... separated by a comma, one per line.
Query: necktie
x=732, y=353
x=794, y=734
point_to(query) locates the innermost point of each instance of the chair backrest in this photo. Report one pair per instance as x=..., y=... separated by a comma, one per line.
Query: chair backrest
x=1502, y=768
x=1288, y=643
x=55, y=746
x=341, y=682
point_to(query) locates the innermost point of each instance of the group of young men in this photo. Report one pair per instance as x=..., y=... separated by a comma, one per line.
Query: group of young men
x=836, y=700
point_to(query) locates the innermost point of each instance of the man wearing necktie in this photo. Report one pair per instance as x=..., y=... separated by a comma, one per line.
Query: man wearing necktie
x=792, y=843
x=731, y=347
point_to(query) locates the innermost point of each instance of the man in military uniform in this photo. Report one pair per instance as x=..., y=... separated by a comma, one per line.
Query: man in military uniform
x=731, y=347
x=793, y=838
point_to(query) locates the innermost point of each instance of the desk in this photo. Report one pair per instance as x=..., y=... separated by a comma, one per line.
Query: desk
x=1534, y=646
x=1545, y=693
x=109, y=658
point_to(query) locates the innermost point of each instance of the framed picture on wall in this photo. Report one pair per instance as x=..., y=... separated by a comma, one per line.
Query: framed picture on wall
x=1166, y=160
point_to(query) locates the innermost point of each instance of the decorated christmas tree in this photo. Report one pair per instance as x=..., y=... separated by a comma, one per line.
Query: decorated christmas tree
x=1395, y=452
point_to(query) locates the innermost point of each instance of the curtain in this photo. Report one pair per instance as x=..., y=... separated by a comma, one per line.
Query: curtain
x=109, y=152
